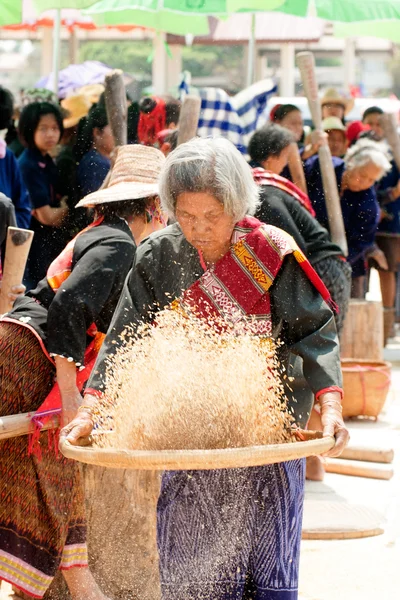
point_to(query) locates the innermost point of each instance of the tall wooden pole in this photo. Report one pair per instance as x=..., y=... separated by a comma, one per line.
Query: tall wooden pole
x=117, y=111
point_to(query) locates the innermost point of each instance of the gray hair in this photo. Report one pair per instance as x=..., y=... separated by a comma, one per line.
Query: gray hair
x=214, y=166
x=365, y=152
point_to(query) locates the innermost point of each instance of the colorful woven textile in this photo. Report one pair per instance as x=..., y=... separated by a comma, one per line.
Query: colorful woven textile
x=235, y=117
x=263, y=177
x=42, y=521
x=236, y=287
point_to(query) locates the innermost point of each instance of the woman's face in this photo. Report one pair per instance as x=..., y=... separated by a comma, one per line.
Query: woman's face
x=47, y=134
x=337, y=142
x=333, y=110
x=374, y=121
x=104, y=140
x=294, y=122
x=276, y=164
x=362, y=178
x=204, y=223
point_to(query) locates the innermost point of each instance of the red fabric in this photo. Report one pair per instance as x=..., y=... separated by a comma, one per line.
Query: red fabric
x=161, y=136
x=355, y=129
x=263, y=177
x=273, y=112
x=333, y=388
x=94, y=392
x=152, y=123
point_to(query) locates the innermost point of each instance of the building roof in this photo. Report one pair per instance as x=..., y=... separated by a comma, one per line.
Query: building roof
x=271, y=27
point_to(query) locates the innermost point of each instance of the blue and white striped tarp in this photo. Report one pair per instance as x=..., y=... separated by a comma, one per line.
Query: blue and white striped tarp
x=235, y=117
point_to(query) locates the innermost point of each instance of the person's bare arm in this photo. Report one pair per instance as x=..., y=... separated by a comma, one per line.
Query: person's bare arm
x=53, y=217
x=70, y=395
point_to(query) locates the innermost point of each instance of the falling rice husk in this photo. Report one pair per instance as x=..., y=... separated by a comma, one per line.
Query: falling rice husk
x=186, y=384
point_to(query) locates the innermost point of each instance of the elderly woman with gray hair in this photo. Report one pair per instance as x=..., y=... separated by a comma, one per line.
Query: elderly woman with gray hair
x=365, y=164
x=216, y=253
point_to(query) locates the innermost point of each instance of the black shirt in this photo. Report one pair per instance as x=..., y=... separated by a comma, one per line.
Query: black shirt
x=41, y=179
x=282, y=210
x=102, y=257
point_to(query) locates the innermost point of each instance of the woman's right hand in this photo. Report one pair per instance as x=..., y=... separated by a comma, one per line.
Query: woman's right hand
x=80, y=427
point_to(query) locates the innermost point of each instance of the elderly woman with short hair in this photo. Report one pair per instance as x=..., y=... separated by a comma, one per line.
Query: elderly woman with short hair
x=364, y=165
x=204, y=257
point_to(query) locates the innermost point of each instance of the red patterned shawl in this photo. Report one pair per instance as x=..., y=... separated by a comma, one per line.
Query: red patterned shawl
x=237, y=286
x=263, y=177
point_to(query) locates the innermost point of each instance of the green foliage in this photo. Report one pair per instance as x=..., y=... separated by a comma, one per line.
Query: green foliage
x=204, y=61
x=132, y=57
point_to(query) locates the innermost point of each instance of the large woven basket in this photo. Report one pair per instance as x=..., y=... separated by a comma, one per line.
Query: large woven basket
x=366, y=385
x=227, y=458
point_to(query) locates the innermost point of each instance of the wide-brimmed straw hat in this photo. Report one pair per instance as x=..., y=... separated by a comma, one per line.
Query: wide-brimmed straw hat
x=77, y=107
x=333, y=124
x=332, y=96
x=134, y=175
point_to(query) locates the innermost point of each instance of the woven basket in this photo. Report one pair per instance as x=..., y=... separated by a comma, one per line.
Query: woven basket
x=366, y=385
x=227, y=458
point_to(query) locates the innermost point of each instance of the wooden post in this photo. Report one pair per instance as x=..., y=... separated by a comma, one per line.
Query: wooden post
x=306, y=64
x=296, y=168
x=115, y=97
x=189, y=118
x=122, y=520
x=363, y=331
x=21, y=424
x=17, y=249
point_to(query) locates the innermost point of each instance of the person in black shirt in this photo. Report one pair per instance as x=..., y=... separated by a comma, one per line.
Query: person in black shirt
x=41, y=128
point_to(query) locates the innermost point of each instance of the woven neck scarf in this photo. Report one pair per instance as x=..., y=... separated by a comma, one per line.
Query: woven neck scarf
x=237, y=286
x=263, y=177
x=150, y=124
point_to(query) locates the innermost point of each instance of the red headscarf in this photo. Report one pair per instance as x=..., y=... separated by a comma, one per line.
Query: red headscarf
x=150, y=124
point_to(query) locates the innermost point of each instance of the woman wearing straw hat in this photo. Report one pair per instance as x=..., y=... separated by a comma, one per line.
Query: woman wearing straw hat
x=334, y=104
x=220, y=261
x=57, y=330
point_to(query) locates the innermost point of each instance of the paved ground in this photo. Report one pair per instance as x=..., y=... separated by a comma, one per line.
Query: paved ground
x=362, y=569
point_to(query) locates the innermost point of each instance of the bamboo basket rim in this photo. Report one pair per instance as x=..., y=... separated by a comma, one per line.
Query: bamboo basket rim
x=178, y=460
x=365, y=361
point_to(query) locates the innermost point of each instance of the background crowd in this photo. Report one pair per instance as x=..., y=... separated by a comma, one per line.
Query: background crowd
x=52, y=155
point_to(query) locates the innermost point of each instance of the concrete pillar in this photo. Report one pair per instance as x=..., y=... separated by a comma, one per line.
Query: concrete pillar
x=174, y=66
x=159, y=67
x=261, y=67
x=73, y=47
x=287, y=82
x=349, y=63
x=56, y=49
x=252, y=52
x=46, y=58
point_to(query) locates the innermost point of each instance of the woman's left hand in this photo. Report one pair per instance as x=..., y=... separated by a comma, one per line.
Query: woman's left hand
x=332, y=422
